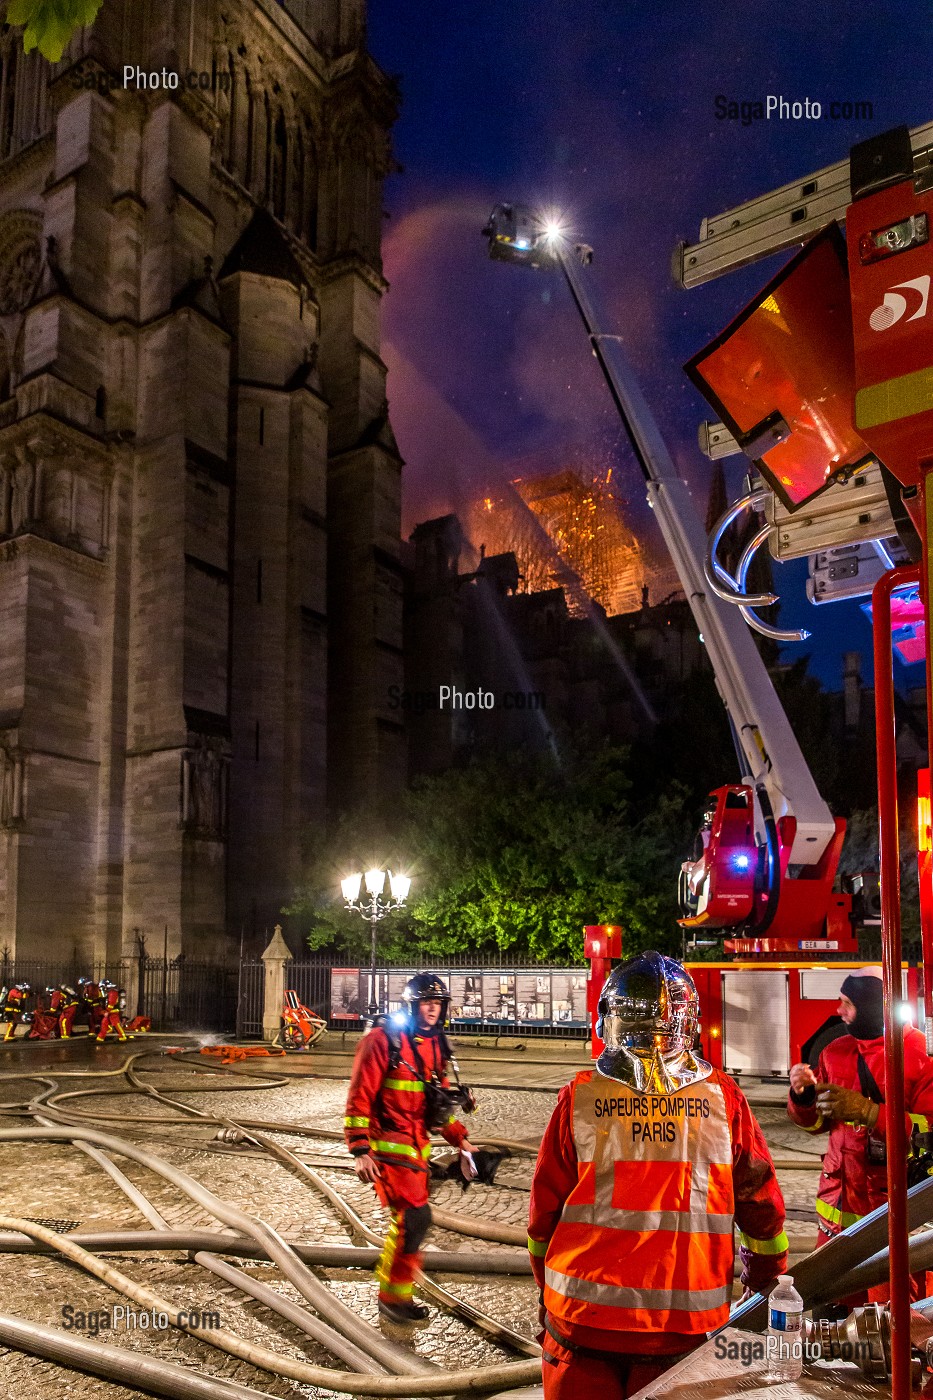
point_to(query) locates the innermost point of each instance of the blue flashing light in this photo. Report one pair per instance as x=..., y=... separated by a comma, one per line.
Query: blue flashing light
x=522, y=243
x=740, y=862
x=399, y=1018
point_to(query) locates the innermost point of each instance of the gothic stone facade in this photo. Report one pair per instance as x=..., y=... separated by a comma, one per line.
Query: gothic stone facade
x=199, y=487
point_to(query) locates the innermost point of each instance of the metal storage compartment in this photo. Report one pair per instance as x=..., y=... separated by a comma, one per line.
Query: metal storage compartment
x=823, y=983
x=755, y=1023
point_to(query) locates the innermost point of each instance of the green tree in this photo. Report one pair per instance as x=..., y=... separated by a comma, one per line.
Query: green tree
x=49, y=24
x=513, y=855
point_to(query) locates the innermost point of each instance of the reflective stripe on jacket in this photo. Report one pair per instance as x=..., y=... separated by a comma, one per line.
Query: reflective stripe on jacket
x=645, y=1238
x=385, y=1112
x=851, y=1186
x=633, y=1203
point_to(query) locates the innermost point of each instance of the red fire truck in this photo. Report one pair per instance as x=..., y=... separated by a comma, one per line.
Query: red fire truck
x=759, y=1018
x=825, y=383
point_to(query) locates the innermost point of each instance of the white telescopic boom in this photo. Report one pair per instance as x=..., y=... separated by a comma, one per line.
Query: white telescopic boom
x=770, y=749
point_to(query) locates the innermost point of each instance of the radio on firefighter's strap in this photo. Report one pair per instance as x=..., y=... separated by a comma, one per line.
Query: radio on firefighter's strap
x=440, y=1103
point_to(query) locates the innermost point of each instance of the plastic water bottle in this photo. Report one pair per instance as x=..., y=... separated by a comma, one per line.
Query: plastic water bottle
x=785, y=1331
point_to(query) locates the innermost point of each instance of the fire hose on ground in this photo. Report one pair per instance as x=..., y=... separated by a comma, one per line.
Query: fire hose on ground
x=421, y=1378
x=468, y=1225
x=466, y=1312
x=111, y=1363
x=501, y=1334
x=842, y=1261
x=299, y=1317
x=328, y=1256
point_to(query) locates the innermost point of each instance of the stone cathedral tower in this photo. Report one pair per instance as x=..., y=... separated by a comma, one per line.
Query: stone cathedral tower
x=199, y=486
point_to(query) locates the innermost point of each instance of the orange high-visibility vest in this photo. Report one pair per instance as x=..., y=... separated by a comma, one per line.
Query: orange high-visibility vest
x=644, y=1242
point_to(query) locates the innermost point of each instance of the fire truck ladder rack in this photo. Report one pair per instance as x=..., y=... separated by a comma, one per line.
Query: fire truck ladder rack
x=782, y=219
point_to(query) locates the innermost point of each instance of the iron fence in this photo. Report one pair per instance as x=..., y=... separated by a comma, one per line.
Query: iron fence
x=41, y=973
x=181, y=994
x=323, y=982
x=249, y=1000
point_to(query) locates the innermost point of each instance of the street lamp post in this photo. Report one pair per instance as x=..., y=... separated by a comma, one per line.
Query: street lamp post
x=373, y=908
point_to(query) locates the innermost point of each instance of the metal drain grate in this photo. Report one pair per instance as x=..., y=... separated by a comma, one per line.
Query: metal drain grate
x=63, y=1227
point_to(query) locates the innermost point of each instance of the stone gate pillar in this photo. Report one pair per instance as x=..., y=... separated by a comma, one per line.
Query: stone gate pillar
x=273, y=960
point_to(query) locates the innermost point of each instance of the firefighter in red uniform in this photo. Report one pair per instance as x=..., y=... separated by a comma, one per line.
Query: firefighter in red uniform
x=92, y=1003
x=44, y=1020
x=399, y=1091
x=63, y=1005
x=845, y=1098
x=645, y=1166
x=14, y=1007
x=110, y=1020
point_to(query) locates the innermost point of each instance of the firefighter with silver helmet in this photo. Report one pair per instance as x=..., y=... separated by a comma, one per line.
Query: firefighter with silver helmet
x=645, y=1165
x=399, y=1093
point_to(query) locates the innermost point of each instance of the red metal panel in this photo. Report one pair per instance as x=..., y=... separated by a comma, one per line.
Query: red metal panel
x=601, y=943
x=891, y=963
x=709, y=989
x=892, y=316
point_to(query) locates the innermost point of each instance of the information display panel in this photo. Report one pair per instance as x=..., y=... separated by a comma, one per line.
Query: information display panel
x=568, y=998
x=499, y=996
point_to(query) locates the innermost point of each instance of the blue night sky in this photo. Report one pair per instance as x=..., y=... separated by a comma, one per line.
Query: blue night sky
x=607, y=112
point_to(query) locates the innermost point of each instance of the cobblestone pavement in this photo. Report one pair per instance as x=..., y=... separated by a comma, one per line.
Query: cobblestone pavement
x=57, y=1182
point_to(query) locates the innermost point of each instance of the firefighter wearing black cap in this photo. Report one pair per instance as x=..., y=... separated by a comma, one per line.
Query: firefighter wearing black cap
x=845, y=1098
x=399, y=1092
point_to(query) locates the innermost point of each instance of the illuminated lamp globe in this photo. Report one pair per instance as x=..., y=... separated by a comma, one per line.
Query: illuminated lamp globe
x=399, y=885
x=351, y=887
x=375, y=881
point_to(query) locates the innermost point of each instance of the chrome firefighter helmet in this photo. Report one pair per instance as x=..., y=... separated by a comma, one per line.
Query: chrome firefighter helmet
x=426, y=986
x=648, y=1016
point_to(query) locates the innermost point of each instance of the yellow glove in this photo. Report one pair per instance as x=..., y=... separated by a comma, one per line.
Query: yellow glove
x=846, y=1105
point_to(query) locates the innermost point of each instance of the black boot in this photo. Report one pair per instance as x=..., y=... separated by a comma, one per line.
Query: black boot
x=405, y=1314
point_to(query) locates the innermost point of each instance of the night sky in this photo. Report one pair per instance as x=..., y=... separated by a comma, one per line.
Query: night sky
x=607, y=112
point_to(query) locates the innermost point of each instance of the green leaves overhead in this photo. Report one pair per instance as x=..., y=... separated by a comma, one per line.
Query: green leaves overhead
x=49, y=24
x=514, y=855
